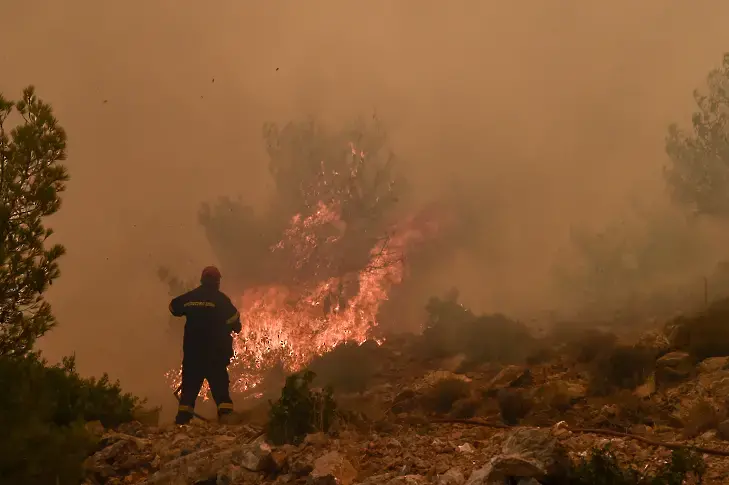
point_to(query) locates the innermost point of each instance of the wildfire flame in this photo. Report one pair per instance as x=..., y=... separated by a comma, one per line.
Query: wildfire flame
x=290, y=325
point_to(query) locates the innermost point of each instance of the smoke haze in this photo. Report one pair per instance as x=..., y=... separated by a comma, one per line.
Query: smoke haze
x=543, y=114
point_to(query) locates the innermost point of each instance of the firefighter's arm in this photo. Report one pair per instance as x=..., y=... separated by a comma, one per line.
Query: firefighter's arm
x=233, y=317
x=177, y=307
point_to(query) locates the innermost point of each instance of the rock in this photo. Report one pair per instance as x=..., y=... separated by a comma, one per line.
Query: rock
x=713, y=364
x=466, y=448
x=676, y=360
x=332, y=468
x=302, y=464
x=717, y=382
x=255, y=457
x=673, y=367
x=451, y=477
x=527, y=453
x=509, y=376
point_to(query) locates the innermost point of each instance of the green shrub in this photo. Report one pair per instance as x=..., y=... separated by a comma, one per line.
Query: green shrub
x=300, y=410
x=42, y=413
x=602, y=467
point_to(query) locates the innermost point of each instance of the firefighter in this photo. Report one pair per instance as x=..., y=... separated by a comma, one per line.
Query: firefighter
x=207, y=344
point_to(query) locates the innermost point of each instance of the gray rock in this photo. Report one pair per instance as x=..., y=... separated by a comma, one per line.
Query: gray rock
x=526, y=454
x=673, y=367
x=254, y=457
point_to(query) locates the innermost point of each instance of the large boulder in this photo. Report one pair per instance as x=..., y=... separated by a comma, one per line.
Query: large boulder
x=672, y=368
x=526, y=454
x=511, y=376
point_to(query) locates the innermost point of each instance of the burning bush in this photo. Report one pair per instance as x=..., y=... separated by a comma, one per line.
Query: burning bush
x=313, y=270
x=453, y=329
x=43, y=413
x=300, y=410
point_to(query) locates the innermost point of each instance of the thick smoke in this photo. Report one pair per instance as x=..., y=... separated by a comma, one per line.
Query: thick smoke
x=536, y=120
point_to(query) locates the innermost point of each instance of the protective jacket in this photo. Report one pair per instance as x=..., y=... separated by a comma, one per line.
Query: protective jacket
x=211, y=317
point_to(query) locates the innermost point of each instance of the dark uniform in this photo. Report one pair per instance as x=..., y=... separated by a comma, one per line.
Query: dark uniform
x=207, y=344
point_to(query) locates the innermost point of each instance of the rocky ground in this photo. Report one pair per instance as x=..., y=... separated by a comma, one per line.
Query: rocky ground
x=395, y=432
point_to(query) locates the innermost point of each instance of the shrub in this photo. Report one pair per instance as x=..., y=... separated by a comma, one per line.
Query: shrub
x=703, y=335
x=620, y=367
x=349, y=367
x=300, y=410
x=602, y=467
x=43, y=409
x=586, y=345
x=452, y=329
x=514, y=405
x=444, y=393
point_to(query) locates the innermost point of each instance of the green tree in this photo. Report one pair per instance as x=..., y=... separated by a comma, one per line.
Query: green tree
x=31, y=179
x=698, y=169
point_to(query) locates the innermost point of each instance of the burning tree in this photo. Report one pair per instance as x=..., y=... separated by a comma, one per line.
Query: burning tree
x=313, y=269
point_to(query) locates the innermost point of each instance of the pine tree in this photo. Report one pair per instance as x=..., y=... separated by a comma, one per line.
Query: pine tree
x=31, y=179
x=698, y=173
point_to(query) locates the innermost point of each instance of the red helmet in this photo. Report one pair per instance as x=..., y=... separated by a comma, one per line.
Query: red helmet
x=210, y=273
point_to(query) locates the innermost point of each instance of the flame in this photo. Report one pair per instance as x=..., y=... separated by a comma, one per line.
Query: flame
x=288, y=325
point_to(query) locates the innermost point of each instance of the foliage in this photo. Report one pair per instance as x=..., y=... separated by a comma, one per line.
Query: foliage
x=350, y=367
x=351, y=168
x=444, y=394
x=300, y=410
x=514, y=405
x=704, y=334
x=43, y=411
x=453, y=329
x=636, y=266
x=31, y=179
x=620, y=367
x=602, y=467
x=698, y=170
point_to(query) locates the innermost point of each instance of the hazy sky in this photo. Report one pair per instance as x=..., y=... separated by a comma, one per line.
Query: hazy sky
x=551, y=111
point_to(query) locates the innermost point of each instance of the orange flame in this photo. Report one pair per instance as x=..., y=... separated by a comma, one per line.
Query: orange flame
x=290, y=325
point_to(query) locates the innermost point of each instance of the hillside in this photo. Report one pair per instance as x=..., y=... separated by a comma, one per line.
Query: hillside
x=415, y=417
